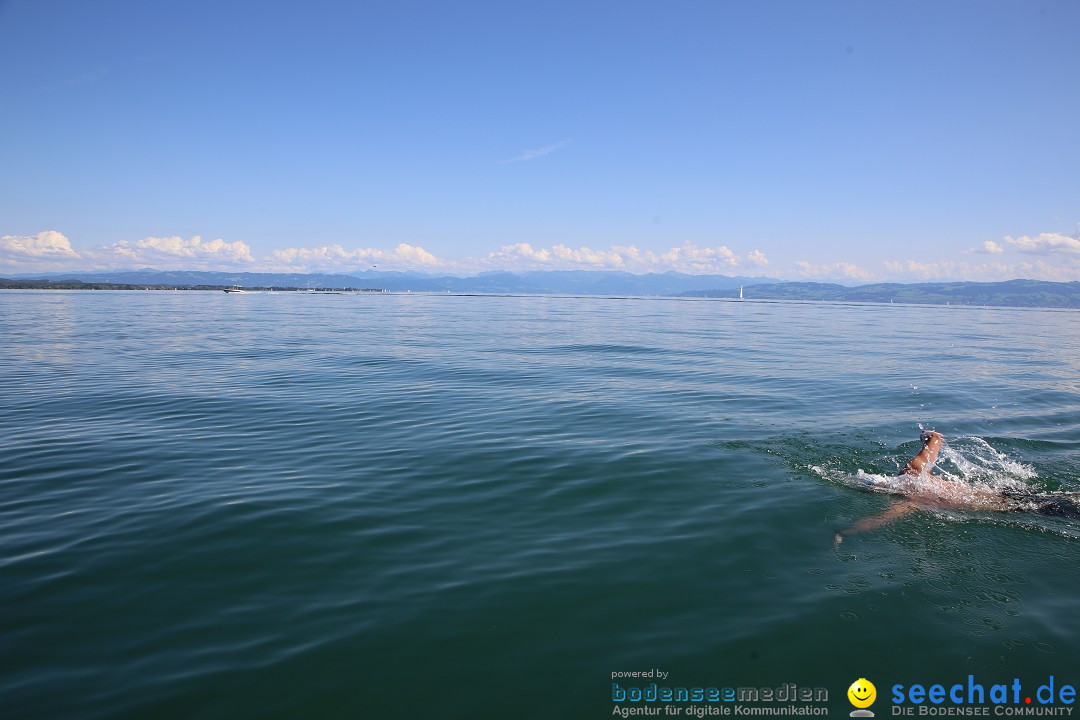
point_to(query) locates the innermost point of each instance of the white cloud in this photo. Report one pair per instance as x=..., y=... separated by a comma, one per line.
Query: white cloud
x=558, y=257
x=1043, y=244
x=836, y=270
x=335, y=258
x=1063, y=267
x=693, y=259
x=944, y=270
x=539, y=152
x=45, y=248
x=1049, y=256
x=687, y=258
x=1046, y=243
x=756, y=257
x=52, y=250
x=1061, y=270
x=175, y=252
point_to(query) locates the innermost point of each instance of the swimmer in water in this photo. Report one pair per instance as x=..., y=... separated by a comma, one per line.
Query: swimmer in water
x=923, y=490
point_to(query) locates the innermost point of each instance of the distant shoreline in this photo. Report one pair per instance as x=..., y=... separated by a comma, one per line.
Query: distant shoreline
x=75, y=285
x=685, y=297
x=1007, y=293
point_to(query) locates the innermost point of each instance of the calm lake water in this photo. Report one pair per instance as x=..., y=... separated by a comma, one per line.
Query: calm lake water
x=409, y=506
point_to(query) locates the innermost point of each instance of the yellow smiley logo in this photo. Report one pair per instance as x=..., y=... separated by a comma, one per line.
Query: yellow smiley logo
x=862, y=693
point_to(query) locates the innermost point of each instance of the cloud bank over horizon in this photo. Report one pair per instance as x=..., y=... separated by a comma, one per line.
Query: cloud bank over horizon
x=51, y=251
x=1047, y=256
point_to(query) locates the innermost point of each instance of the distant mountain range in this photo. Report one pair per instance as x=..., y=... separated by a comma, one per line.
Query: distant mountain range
x=551, y=282
x=1017, y=293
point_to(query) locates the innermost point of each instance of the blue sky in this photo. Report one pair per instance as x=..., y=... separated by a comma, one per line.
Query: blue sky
x=804, y=140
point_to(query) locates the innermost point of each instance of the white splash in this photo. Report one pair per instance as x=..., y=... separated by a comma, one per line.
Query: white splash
x=969, y=464
x=972, y=459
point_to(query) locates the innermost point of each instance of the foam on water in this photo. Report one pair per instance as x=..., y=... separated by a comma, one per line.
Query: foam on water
x=967, y=461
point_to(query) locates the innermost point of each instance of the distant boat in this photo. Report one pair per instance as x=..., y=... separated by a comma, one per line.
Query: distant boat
x=235, y=289
x=740, y=292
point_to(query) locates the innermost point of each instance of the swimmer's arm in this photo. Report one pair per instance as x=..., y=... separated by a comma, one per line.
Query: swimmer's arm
x=873, y=522
x=927, y=456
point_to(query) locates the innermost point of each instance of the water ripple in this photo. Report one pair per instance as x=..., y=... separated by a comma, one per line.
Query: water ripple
x=221, y=508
